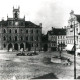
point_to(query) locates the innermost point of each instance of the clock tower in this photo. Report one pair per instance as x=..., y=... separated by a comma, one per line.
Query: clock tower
x=16, y=13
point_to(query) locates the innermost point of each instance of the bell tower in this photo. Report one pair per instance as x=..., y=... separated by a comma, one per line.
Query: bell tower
x=16, y=13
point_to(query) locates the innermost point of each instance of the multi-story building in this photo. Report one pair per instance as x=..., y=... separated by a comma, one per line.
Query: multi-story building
x=74, y=21
x=56, y=38
x=16, y=33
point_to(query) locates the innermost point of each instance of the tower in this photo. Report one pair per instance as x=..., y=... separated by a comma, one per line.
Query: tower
x=16, y=13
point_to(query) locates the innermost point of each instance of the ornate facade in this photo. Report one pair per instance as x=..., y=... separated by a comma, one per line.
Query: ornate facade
x=74, y=21
x=16, y=33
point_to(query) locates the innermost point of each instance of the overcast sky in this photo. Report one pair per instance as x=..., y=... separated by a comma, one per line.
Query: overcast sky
x=51, y=13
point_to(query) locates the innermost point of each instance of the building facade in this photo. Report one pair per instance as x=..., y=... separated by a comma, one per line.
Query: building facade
x=74, y=21
x=16, y=33
x=56, y=38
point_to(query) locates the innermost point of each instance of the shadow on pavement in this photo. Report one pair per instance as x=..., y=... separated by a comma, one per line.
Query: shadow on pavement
x=47, y=76
x=78, y=77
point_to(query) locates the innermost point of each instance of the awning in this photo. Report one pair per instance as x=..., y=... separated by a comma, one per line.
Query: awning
x=69, y=47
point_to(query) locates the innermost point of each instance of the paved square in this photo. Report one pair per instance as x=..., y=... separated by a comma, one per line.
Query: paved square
x=27, y=67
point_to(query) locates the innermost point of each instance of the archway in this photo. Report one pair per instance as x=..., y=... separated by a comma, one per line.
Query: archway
x=22, y=46
x=16, y=46
x=9, y=46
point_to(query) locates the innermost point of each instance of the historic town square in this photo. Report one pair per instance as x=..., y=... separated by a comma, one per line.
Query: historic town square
x=39, y=39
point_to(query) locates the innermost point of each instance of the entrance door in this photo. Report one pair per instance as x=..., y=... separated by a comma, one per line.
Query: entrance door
x=16, y=46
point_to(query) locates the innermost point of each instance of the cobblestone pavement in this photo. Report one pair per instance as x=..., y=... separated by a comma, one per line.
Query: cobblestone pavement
x=27, y=67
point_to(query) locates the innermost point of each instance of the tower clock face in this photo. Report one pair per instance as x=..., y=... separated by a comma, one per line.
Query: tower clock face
x=16, y=23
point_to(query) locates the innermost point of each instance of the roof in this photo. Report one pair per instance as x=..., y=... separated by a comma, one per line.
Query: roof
x=27, y=24
x=78, y=18
x=3, y=23
x=30, y=24
x=57, y=31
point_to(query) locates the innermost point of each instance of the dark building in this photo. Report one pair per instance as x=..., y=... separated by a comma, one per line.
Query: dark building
x=16, y=33
x=44, y=42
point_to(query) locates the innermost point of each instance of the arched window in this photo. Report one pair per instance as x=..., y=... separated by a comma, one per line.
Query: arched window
x=4, y=31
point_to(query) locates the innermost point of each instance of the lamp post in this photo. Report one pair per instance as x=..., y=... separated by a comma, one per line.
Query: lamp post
x=73, y=20
x=74, y=53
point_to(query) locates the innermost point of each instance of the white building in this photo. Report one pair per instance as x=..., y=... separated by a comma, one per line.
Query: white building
x=74, y=21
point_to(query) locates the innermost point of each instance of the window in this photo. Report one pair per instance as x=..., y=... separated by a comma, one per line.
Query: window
x=21, y=30
x=4, y=38
x=26, y=31
x=21, y=38
x=31, y=38
x=37, y=38
x=31, y=31
x=26, y=37
x=10, y=23
x=36, y=31
x=37, y=45
x=22, y=23
x=10, y=31
x=15, y=38
x=10, y=38
x=32, y=44
x=4, y=45
x=4, y=31
x=15, y=31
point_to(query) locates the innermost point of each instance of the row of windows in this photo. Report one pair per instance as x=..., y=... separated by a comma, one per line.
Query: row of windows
x=10, y=31
x=61, y=37
x=21, y=38
x=32, y=45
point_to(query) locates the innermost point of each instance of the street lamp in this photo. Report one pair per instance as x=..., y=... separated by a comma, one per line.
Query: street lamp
x=73, y=19
x=74, y=53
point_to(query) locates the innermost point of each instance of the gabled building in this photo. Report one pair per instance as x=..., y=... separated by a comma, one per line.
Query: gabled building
x=56, y=38
x=74, y=21
x=16, y=33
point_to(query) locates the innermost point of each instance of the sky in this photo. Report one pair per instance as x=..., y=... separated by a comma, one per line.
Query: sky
x=51, y=13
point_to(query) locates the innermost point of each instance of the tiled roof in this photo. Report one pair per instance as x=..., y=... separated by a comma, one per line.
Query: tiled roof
x=27, y=24
x=57, y=31
x=30, y=24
